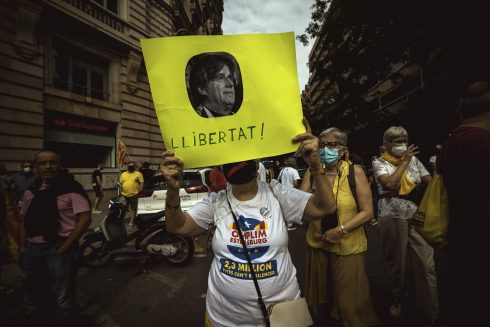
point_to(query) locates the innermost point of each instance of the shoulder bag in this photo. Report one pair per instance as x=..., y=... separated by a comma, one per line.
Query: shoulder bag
x=293, y=313
x=432, y=217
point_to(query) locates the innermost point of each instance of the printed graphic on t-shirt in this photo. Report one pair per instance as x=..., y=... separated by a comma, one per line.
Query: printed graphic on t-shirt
x=255, y=234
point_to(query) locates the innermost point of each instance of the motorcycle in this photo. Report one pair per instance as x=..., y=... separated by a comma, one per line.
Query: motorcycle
x=110, y=239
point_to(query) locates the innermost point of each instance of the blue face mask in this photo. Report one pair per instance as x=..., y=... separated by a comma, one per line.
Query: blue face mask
x=329, y=156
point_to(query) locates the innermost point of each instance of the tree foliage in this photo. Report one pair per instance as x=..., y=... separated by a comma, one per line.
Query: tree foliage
x=364, y=39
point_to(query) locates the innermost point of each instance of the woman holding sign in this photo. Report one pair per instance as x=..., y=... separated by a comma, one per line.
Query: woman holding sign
x=261, y=211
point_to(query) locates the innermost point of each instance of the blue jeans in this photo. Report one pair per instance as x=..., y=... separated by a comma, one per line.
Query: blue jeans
x=51, y=278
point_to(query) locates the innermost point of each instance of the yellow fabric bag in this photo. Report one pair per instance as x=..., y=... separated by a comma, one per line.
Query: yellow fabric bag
x=432, y=217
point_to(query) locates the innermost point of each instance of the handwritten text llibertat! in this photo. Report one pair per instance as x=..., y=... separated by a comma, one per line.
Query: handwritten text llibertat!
x=232, y=134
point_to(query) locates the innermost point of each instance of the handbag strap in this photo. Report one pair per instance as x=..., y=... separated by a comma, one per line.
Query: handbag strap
x=252, y=271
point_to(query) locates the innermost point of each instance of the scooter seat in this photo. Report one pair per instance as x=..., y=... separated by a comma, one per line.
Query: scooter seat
x=145, y=220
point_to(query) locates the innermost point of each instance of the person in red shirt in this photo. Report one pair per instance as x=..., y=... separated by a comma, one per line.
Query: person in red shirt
x=217, y=179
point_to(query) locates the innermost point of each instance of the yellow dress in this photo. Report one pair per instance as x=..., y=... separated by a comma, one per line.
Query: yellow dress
x=344, y=258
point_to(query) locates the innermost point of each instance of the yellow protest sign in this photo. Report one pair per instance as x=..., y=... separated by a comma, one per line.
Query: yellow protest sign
x=225, y=98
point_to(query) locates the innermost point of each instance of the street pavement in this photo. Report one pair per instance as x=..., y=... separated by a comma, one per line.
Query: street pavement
x=133, y=291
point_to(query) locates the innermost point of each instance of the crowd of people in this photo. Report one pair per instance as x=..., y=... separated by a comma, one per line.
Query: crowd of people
x=44, y=213
x=393, y=183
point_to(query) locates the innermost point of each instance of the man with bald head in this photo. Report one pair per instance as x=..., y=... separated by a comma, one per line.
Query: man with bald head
x=55, y=214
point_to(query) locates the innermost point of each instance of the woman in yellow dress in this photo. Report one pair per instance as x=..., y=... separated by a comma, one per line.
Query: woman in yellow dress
x=336, y=254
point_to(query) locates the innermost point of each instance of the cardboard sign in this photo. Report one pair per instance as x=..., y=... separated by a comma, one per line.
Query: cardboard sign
x=225, y=98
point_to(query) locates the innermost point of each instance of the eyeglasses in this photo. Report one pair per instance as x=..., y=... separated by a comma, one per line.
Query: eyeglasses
x=222, y=78
x=330, y=145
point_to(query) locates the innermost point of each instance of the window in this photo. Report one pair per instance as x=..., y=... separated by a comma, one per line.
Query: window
x=111, y=5
x=79, y=72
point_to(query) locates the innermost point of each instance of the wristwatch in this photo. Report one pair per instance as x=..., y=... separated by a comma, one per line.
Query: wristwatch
x=344, y=230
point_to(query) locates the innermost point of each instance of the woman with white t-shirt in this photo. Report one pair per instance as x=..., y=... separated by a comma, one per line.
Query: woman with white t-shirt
x=262, y=211
x=398, y=172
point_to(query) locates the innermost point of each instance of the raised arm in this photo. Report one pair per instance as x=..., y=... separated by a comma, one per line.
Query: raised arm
x=392, y=182
x=306, y=183
x=178, y=222
x=322, y=202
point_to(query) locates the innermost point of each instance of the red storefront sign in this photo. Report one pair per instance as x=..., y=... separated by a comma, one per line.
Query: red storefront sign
x=78, y=124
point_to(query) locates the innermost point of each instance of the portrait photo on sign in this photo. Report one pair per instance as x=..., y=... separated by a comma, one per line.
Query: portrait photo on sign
x=214, y=84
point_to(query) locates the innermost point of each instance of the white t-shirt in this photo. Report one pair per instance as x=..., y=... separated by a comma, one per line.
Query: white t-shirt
x=262, y=172
x=396, y=207
x=288, y=175
x=231, y=298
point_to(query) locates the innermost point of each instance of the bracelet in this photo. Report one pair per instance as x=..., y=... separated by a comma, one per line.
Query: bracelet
x=344, y=230
x=320, y=171
x=172, y=207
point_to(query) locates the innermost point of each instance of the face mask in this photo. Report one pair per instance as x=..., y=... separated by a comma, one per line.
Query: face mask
x=131, y=168
x=399, y=151
x=329, y=156
x=27, y=169
x=240, y=173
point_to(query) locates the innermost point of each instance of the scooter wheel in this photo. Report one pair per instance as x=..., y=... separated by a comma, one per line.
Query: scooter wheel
x=185, y=246
x=95, y=252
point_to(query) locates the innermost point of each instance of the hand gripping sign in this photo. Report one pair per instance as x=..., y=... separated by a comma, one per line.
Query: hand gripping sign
x=225, y=98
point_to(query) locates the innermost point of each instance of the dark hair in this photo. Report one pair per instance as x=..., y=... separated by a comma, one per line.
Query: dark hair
x=476, y=99
x=204, y=69
x=145, y=164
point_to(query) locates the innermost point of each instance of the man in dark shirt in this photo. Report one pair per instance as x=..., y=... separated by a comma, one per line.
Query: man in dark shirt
x=464, y=162
x=147, y=173
x=97, y=187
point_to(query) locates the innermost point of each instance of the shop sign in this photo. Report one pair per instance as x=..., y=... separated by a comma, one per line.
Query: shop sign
x=79, y=124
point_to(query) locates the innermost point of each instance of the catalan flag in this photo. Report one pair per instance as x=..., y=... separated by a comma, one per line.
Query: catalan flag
x=121, y=153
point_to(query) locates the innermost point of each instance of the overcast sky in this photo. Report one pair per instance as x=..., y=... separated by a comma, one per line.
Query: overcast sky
x=271, y=16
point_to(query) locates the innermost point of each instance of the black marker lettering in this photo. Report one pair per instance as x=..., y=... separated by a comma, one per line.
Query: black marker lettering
x=221, y=136
x=231, y=131
x=251, y=128
x=172, y=143
x=202, y=139
x=241, y=134
x=211, y=138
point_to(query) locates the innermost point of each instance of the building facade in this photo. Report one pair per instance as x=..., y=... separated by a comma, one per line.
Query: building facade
x=73, y=79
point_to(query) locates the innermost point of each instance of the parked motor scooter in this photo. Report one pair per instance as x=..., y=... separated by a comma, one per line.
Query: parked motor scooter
x=109, y=240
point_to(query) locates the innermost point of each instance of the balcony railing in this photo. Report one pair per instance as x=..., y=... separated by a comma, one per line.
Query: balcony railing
x=99, y=13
